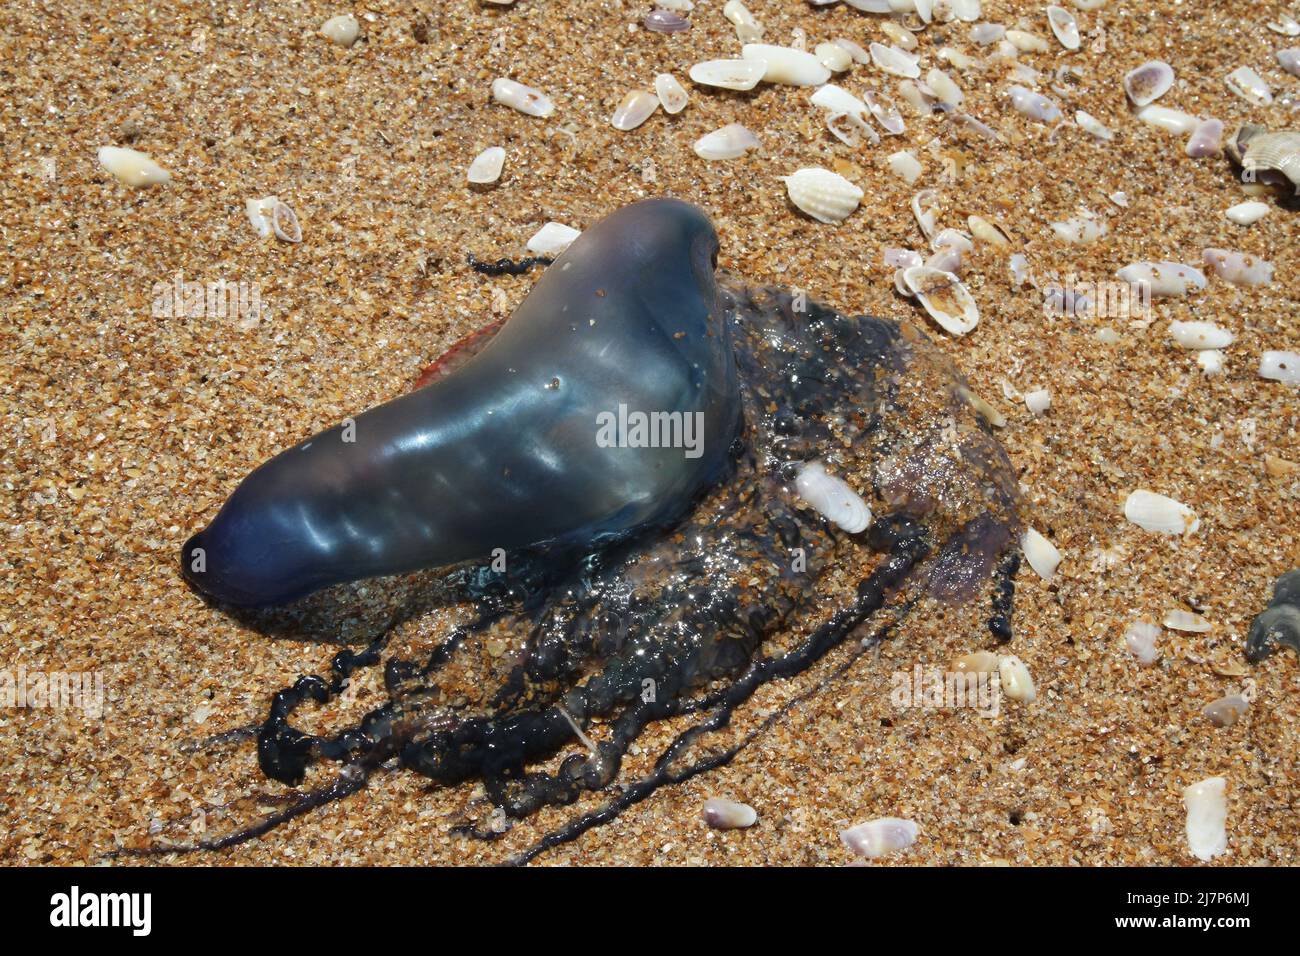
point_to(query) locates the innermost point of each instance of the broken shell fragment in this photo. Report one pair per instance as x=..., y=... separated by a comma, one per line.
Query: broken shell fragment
x=729, y=142
x=260, y=213
x=1225, y=711
x=1212, y=361
x=672, y=96
x=1014, y=677
x=906, y=166
x=885, y=113
x=785, y=65
x=925, y=208
x=875, y=838
x=826, y=196
x=986, y=33
x=832, y=498
x=1200, y=335
x=284, y=222
x=525, y=99
x=1289, y=60
x=1153, y=512
x=944, y=297
x=637, y=107
x=944, y=87
x=1247, y=213
x=1027, y=42
x=1238, y=267
x=729, y=74
x=1065, y=26
x=1178, y=619
x=748, y=30
x=1140, y=638
x=1269, y=158
x=1038, y=401
x=1206, y=139
x=342, y=29
x=1093, y=126
x=728, y=814
x=1034, y=105
x=985, y=231
x=487, y=166
x=132, y=167
x=1169, y=120
x=855, y=50
x=1207, y=817
x=1163, y=278
x=894, y=61
x=1249, y=85
x=1148, y=82
x=552, y=239
x=833, y=56
x=1280, y=367
x=1041, y=554
x=976, y=662
x=898, y=35
x=1080, y=230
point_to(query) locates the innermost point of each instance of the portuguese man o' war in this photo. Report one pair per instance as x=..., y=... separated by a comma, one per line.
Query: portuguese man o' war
x=647, y=579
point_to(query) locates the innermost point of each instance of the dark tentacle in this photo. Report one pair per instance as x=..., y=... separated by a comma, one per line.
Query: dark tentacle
x=505, y=266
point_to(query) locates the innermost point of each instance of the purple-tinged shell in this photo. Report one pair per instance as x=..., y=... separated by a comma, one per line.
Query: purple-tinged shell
x=666, y=21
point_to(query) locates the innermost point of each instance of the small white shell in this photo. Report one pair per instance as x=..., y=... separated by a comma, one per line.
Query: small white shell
x=1238, y=267
x=924, y=208
x=826, y=196
x=637, y=107
x=1205, y=139
x=896, y=258
x=1041, y=554
x=1226, y=711
x=1079, y=230
x=833, y=56
x=487, y=166
x=1017, y=684
x=748, y=30
x=1148, y=82
x=1140, y=637
x=906, y=166
x=1164, y=278
x=1289, y=60
x=944, y=87
x=849, y=128
x=342, y=29
x=1169, y=120
x=729, y=74
x=1280, y=367
x=1064, y=26
x=976, y=662
x=1176, y=619
x=898, y=35
x=912, y=95
x=855, y=50
x=832, y=498
x=525, y=99
x=967, y=11
x=785, y=65
x=672, y=96
x=259, y=212
x=284, y=222
x=957, y=58
x=552, y=239
x=944, y=297
x=1038, y=401
x=728, y=814
x=1285, y=25
x=836, y=99
x=885, y=112
x=1249, y=85
x=895, y=61
x=952, y=239
x=132, y=167
x=1034, y=105
x=1211, y=361
x=1248, y=212
x=985, y=231
x=986, y=33
x=1027, y=42
x=1200, y=335
x=1153, y=512
x=1207, y=818
x=871, y=6
x=1019, y=266
x=729, y=142
x=875, y=838
x=1093, y=126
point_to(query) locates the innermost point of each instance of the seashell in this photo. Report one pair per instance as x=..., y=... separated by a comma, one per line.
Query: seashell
x=1225, y=711
x=284, y=222
x=858, y=54
x=826, y=196
x=729, y=142
x=1289, y=60
x=1280, y=367
x=729, y=74
x=1163, y=278
x=1180, y=620
x=885, y=112
x=1249, y=85
x=680, y=6
x=1148, y=82
x=944, y=297
x=948, y=92
x=1140, y=638
x=1079, y=230
x=987, y=33
x=1211, y=360
x=976, y=662
x=487, y=166
x=896, y=258
x=525, y=99
x=1207, y=818
x=832, y=498
x=1246, y=213
x=952, y=239
x=748, y=30
x=552, y=239
x=833, y=56
x=957, y=58
x=132, y=167
x=785, y=65
x=898, y=35
x=985, y=231
x=1065, y=26
x=1205, y=139
x=1259, y=152
x=637, y=107
x=1153, y=512
x=672, y=96
x=666, y=21
x=875, y=838
x=923, y=8
x=1200, y=335
x=342, y=29
x=871, y=6
x=913, y=97
x=849, y=128
x=1169, y=120
x=1286, y=25
x=1014, y=677
x=895, y=61
x=945, y=260
x=1019, y=266
x=1237, y=267
x=906, y=166
x=1093, y=126
x=1088, y=4
x=1038, y=401
x=1041, y=554
x=1034, y=105
x=967, y=11
x=1027, y=42
x=836, y=99
x=728, y=814
x=924, y=209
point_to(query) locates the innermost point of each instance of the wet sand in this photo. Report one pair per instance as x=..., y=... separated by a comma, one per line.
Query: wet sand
x=124, y=431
